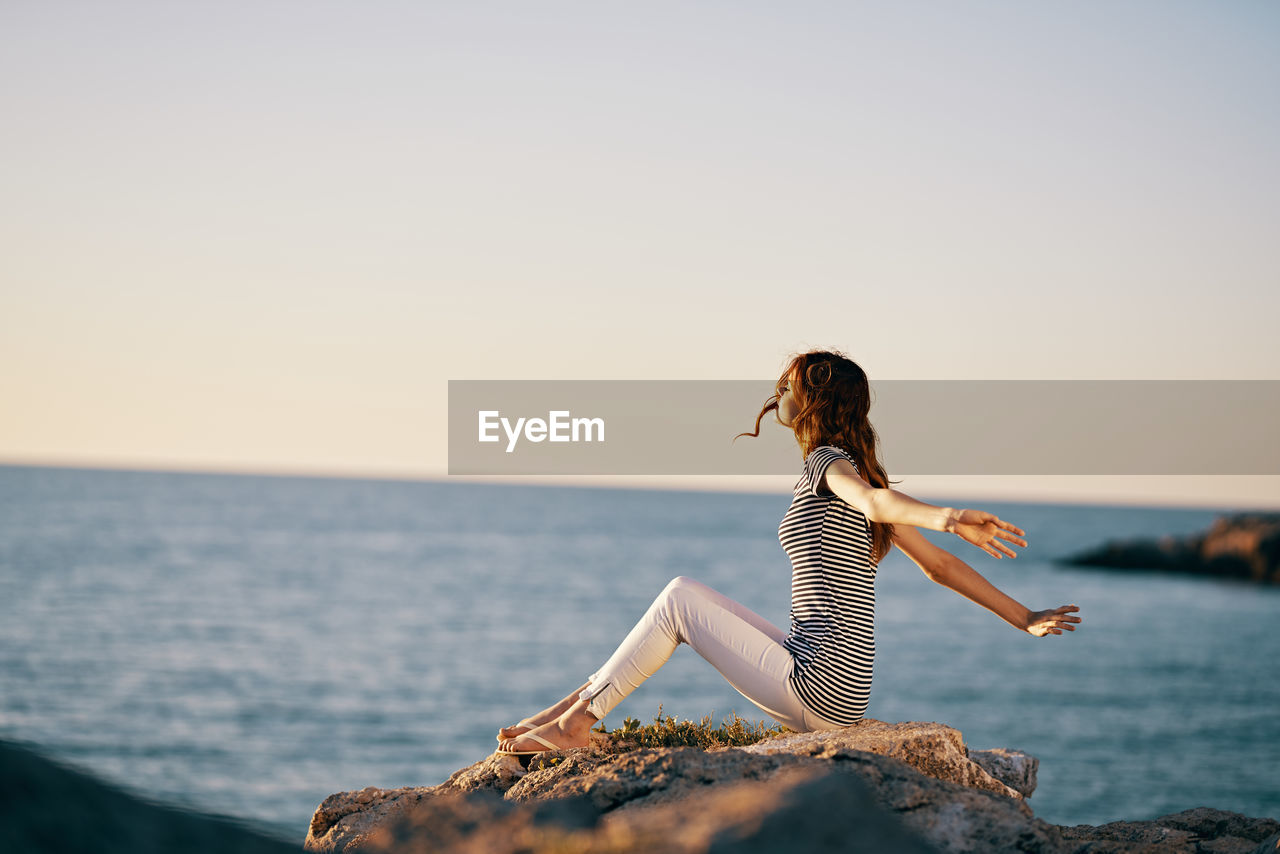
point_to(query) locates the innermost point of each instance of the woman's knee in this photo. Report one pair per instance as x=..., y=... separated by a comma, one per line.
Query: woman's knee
x=682, y=587
x=679, y=596
x=679, y=585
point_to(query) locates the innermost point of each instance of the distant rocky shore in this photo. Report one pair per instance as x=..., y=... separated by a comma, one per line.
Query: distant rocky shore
x=1245, y=545
x=873, y=786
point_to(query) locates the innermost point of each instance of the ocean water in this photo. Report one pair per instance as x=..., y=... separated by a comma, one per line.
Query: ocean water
x=250, y=644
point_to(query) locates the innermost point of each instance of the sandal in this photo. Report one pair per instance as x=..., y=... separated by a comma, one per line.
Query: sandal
x=551, y=748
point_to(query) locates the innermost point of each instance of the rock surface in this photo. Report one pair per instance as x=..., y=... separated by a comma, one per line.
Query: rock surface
x=47, y=806
x=1015, y=769
x=1199, y=829
x=770, y=815
x=930, y=748
x=917, y=768
x=1245, y=545
x=910, y=787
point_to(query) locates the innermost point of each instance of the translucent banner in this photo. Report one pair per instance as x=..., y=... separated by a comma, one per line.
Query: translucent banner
x=1011, y=427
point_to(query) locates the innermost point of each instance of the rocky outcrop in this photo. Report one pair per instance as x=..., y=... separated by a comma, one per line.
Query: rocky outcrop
x=901, y=761
x=1199, y=830
x=930, y=748
x=48, y=806
x=1245, y=545
x=747, y=815
x=872, y=786
x=1015, y=769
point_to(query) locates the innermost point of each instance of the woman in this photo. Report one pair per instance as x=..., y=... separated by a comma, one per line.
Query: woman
x=842, y=520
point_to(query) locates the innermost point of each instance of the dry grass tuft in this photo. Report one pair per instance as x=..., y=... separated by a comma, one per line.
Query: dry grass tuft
x=666, y=731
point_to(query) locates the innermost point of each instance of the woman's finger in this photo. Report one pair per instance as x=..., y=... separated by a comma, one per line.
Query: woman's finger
x=1008, y=526
x=1011, y=538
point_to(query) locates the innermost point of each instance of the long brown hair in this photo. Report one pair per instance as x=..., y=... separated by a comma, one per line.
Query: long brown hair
x=833, y=397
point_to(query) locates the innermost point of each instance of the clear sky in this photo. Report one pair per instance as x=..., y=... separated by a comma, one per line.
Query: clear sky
x=263, y=236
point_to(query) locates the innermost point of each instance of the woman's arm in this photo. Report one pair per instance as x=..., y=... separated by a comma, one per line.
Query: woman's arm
x=890, y=506
x=966, y=581
x=897, y=508
x=969, y=583
x=884, y=505
x=952, y=572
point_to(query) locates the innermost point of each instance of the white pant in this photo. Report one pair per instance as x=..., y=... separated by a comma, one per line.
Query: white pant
x=745, y=647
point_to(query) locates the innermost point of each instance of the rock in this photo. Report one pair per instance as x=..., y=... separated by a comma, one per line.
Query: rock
x=742, y=817
x=650, y=775
x=348, y=818
x=774, y=814
x=872, y=786
x=48, y=806
x=917, y=771
x=952, y=816
x=1195, y=830
x=1015, y=769
x=1244, y=545
x=931, y=748
x=478, y=821
x=345, y=820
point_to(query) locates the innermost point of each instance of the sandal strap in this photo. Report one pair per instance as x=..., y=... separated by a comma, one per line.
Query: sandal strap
x=536, y=737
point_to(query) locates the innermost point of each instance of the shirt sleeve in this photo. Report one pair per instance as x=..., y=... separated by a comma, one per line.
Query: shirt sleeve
x=817, y=463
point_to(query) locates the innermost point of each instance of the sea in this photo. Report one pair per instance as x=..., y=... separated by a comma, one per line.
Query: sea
x=247, y=645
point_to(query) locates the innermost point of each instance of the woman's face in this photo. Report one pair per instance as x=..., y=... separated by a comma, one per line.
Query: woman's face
x=786, y=403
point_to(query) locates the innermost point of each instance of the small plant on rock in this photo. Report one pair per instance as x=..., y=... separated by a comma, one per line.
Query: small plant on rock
x=667, y=731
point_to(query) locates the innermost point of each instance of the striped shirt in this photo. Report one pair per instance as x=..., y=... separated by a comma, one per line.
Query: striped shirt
x=833, y=597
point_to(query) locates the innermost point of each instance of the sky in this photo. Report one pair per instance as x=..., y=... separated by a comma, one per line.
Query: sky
x=264, y=236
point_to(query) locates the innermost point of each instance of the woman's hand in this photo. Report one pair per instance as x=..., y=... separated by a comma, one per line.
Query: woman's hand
x=1051, y=622
x=982, y=529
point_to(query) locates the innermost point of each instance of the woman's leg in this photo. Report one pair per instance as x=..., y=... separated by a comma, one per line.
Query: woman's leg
x=742, y=645
x=745, y=647
x=737, y=608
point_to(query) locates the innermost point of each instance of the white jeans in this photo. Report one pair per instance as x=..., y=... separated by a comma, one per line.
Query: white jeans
x=745, y=647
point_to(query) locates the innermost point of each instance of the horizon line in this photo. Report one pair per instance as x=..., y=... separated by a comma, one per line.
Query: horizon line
x=759, y=485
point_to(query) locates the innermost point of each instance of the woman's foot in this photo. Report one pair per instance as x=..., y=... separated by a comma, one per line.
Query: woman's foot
x=545, y=716
x=571, y=729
